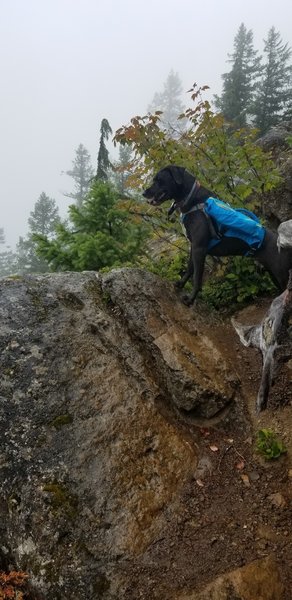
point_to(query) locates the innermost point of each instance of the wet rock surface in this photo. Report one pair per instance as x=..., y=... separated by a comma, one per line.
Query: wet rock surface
x=122, y=424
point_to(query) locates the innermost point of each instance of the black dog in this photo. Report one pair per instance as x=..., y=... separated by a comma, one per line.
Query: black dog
x=176, y=183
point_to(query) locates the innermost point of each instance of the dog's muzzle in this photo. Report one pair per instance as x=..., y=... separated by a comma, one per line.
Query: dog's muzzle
x=154, y=200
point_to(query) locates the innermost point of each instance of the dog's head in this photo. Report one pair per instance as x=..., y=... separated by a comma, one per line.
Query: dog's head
x=168, y=184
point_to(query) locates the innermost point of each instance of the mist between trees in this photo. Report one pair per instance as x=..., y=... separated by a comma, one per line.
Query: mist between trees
x=108, y=225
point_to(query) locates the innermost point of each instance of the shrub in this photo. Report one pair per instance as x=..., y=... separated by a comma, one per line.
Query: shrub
x=269, y=445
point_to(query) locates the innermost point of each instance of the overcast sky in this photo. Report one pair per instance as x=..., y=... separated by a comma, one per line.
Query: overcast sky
x=66, y=64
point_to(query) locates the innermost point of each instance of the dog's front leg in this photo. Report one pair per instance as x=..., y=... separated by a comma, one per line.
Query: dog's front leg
x=187, y=275
x=198, y=263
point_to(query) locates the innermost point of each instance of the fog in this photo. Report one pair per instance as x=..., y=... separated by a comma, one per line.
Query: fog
x=66, y=64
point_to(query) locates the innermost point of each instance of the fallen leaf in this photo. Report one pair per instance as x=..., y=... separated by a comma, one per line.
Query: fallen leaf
x=204, y=431
x=245, y=479
x=199, y=482
x=240, y=465
x=214, y=448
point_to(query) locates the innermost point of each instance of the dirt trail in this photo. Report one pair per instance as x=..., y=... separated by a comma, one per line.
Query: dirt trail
x=237, y=506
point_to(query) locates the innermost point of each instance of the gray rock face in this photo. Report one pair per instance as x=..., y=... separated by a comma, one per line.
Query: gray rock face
x=87, y=460
x=277, y=204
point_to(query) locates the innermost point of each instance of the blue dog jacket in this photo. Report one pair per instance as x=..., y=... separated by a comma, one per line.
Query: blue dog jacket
x=234, y=222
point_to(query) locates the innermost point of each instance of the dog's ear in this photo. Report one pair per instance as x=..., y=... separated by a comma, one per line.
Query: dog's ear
x=177, y=173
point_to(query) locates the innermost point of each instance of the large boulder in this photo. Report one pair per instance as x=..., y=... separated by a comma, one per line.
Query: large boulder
x=89, y=459
x=277, y=204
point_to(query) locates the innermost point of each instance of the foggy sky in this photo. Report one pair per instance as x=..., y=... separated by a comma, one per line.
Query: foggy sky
x=66, y=64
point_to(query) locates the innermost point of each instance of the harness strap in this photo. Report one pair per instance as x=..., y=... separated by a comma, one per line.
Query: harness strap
x=181, y=203
x=191, y=192
x=195, y=207
x=201, y=206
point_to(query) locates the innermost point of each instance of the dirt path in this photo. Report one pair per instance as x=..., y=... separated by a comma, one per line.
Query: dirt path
x=237, y=506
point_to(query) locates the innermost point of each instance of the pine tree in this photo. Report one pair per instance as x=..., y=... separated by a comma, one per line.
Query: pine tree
x=100, y=234
x=7, y=258
x=8, y=263
x=103, y=162
x=82, y=173
x=169, y=102
x=239, y=83
x=44, y=217
x=274, y=97
x=122, y=169
x=42, y=221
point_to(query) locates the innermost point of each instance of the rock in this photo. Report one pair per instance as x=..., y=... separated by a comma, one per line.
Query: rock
x=276, y=137
x=191, y=368
x=277, y=500
x=88, y=462
x=259, y=580
x=277, y=204
x=204, y=468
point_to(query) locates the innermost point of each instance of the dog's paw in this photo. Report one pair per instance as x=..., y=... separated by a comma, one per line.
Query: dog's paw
x=179, y=284
x=187, y=300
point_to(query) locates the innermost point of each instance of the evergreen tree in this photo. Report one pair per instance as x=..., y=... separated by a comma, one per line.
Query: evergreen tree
x=44, y=217
x=100, y=234
x=240, y=82
x=42, y=221
x=8, y=263
x=82, y=173
x=7, y=258
x=122, y=169
x=103, y=162
x=169, y=102
x=273, y=100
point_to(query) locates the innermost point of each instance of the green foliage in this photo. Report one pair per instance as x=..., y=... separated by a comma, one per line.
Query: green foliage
x=122, y=170
x=44, y=217
x=239, y=83
x=228, y=162
x=42, y=221
x=167, y=266
x=101, y=234
x=269, y=445
x=273, y=98
x=237, y=281
x=103, y=162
